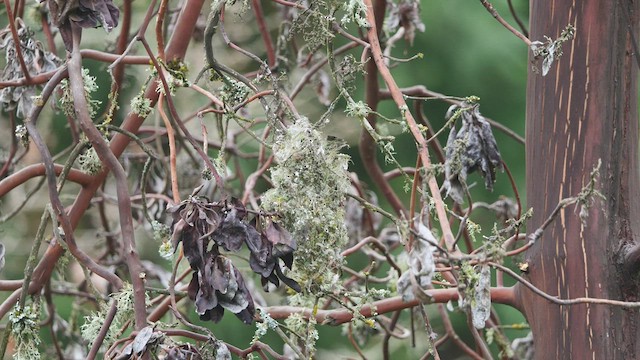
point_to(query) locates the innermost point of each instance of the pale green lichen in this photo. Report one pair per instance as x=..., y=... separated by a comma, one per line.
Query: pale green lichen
x=305, y=329
x=233, y=92
x=66, y=100
x=92, y=324
x=267, y=323
x=141, y=106
x=313, y=25
x=357, y=109
x=90, y=162
x=310, y=182
x=24, y=329
x=175, y=77
x=162, y=234
x=355, y=10
x=473, y=229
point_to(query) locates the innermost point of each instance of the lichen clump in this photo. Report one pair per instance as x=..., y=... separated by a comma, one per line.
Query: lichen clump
x=93, y=322
x=310, y=181
x=25, y=327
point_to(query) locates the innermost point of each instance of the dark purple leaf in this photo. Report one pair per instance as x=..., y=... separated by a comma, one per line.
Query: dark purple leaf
x=240, y=208
x=290, y=282
x=288, y=260
x=103, y=10
x=232, y=232
x=277, y=235
x=272, y=278
x=194, y=287
x=248, y=313
x=84, y=13
x=214, y=314
x=262, y=268
x=222, y=275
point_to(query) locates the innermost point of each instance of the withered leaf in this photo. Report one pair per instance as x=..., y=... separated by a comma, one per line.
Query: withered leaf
x=281, y=239
x=290, y=282
x=83, y=13
x=470, y=148
x=405, y=14
x=481, y=306
x=204, y=228
x=276, y=243
x=421, y=264
x=232, y=232
x=260, y=259
x=141, y=342
x=37, y=59
x=221, y=286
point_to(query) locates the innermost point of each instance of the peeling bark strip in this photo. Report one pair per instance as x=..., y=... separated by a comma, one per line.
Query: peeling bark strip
x=584, y=110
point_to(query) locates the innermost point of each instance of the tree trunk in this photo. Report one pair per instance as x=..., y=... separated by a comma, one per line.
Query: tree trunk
x=583, y=111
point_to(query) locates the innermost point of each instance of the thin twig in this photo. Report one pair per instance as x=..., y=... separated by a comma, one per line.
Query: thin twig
x=497, y=16
x=523, y=28
x=104, y=329
x=160, y=27
x=175, y=189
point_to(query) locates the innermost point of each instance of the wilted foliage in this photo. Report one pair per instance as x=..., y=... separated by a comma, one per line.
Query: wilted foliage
x=37, y=59
x=404, y=14
x=551, y=50
x=82, y=13
x=204, y=227
x=421, y=265
x=470, y=148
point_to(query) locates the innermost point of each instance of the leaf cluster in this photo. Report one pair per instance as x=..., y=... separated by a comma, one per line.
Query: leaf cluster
x=204, y=228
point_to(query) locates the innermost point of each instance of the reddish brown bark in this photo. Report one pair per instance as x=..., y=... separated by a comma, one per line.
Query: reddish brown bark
x=584, y=110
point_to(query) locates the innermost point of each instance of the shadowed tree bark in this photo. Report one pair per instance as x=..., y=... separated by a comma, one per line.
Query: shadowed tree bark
x=583, y=111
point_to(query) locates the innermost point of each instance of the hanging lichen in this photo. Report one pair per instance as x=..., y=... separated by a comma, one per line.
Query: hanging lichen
x=310, y=182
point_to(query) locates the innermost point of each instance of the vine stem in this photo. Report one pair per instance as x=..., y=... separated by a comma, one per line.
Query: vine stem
x=396, y=94
x=104, y=329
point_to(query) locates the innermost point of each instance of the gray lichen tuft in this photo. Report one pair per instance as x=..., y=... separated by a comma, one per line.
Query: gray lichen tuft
x=310, y=182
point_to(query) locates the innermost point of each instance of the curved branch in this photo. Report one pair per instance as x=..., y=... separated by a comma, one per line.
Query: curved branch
x=21, y=176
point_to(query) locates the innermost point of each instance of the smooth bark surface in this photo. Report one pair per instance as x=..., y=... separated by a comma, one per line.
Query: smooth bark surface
x=583, y=111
